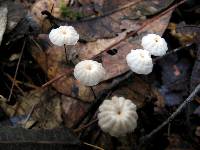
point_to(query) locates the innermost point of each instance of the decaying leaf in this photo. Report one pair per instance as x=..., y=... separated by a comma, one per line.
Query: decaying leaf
x=14, y=15
x=72, y=110
x=23, y=105
x=47, y=112
x=23, y=139
x=177, y=143
x=135, y=89
x=194, y=32
x=46, y=105
x=97, y=24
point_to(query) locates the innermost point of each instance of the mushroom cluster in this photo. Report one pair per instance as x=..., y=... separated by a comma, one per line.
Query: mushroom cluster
x=139, y=60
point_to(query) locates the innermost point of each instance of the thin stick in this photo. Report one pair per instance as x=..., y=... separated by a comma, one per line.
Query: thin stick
x=93, y=92
x=66, y=55
x=178, y=110
x=16, y=71
x=93, y=146
x=23, y=83
x=56, y=78
x=15, y=84
x=29, y=115
x=85, y=126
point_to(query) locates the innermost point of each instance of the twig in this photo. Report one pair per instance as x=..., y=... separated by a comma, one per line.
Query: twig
x=93, y=146
x=56, y=78
x=16, y=71
x=16, y=83
x=23, y=83
x=178, y=110
x=85, y=126
x=93, y=92
x=29, y=114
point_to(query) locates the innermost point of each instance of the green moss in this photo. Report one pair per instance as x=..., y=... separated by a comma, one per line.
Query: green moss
x=69, y=13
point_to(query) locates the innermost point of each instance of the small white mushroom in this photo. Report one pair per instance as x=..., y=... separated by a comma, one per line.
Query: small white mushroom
x=155, y=44
x=89, y=72
x=117, y=116
x=64, y=35
x=140, y=61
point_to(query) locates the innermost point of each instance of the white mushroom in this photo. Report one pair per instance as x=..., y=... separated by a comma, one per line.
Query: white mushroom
x=155, y=44
x=64, y=35
x=117, y=116
x=140, y=61
x=89, y=72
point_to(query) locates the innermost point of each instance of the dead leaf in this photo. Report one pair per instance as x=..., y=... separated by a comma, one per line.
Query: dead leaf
x=135, y=89
x=39, y=139
x=47, y=111
x=16, y=12
x=73, y=110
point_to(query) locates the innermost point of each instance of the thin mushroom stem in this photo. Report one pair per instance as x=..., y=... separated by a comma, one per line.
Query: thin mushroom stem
x=66, y=54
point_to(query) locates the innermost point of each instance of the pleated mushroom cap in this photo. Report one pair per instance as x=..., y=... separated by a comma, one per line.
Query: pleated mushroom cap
x=155, y=44
x=64, y=35
x=89, y=72
x=140, y=61
x=117, y=116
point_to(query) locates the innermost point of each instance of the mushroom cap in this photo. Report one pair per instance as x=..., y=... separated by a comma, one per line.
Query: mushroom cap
x=64, y=35
x=89, y=72
x=140, y=61
x=117, y=116
x=155, y=44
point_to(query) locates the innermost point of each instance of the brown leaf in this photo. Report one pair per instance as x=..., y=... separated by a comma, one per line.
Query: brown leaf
x=136, y=89
x=23, y=106
x=73, y=110
x=116, y=64
x=39, y=139
x=193, y=33
x=46, y=103
x=109, y=18
x=116, y=18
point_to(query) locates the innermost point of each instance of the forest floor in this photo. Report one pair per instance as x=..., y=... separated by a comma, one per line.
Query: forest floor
x=43, y=106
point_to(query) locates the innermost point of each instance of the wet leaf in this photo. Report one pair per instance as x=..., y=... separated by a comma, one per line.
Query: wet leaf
x=46, y=105
x=72, y=110
x=194, y=31
x=23, y=139
x=177, y=143
x=16, y=12
x=135, y=89
x=107, y=20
